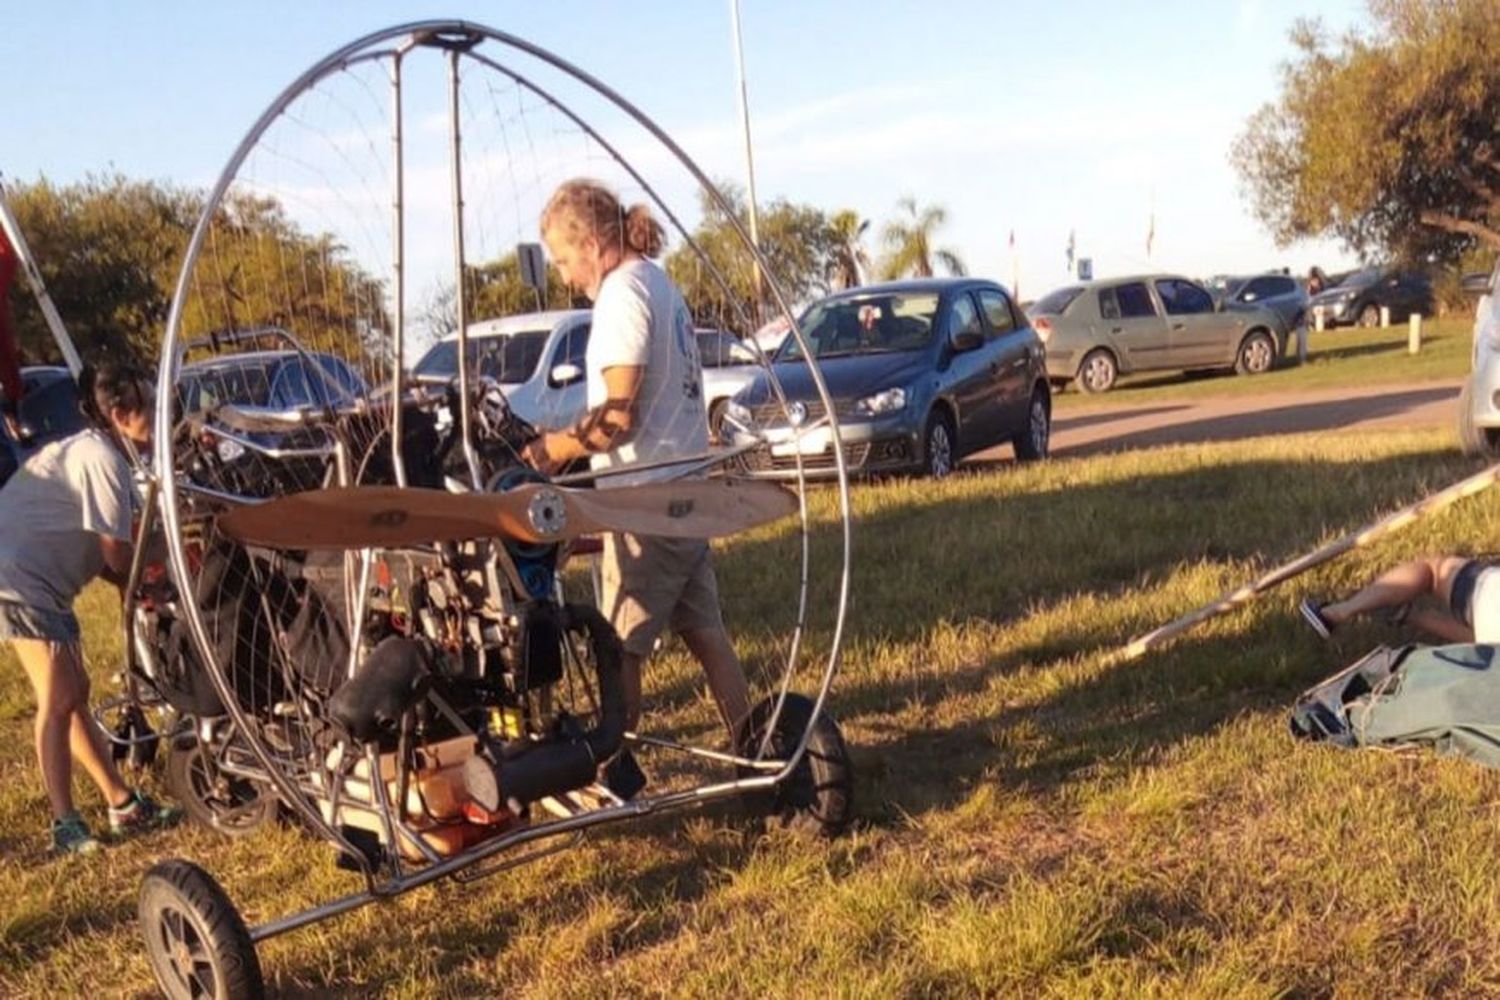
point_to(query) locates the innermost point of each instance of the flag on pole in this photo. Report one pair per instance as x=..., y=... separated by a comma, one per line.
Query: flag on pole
x=1072, y=245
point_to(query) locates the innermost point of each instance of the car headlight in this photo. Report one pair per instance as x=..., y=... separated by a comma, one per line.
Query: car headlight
x=739, y=414
x=230, y=450
x=1351, y=293
x=889, y=401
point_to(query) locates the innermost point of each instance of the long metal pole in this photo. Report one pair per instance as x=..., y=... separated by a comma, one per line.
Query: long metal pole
x=398, y=253
x=459, y=301
x=739, y=62
x=1387, y=525
x=34, y=278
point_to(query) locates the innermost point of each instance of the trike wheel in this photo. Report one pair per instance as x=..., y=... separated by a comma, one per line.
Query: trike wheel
x=818, y=796
x=232, y=806
x=195, y=939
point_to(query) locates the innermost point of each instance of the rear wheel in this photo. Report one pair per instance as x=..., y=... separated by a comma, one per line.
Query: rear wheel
x=716, y=421
x=1033, y=441
x=234, y=807
x=1369, y=315
x=1256, y=355
x=1098, y=372
x=818, y=796
x=196, y=941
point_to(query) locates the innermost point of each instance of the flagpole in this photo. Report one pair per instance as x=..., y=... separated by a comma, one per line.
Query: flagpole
x=739, y=62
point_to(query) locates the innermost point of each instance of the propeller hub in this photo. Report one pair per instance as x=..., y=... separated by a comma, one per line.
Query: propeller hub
x=547, y=513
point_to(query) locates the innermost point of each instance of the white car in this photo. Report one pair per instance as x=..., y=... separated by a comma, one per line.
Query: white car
x=1479, y=404
x=537, y=358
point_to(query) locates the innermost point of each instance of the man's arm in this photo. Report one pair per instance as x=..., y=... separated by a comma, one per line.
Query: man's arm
x=601, y=429
x=117, y=556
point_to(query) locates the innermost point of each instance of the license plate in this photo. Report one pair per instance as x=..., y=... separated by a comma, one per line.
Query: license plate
x=814, y=442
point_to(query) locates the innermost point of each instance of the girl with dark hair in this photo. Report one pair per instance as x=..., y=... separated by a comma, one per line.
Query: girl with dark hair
x=65, y=518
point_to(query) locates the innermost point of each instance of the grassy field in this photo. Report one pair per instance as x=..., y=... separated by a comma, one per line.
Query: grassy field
x=1335, y=358
x=1032, y=821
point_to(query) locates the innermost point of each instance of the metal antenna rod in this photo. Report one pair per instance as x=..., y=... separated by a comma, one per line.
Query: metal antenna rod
x=739, y=62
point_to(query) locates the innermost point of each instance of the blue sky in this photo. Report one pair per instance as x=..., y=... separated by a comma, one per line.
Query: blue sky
x=1037, y=118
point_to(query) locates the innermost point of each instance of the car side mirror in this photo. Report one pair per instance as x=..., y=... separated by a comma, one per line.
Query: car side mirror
x=966, y=340
x=564, y=374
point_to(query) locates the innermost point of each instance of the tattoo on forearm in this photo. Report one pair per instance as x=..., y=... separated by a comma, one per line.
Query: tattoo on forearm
x=601, y=428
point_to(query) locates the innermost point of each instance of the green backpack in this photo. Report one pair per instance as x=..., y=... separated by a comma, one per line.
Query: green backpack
x=1445, y=697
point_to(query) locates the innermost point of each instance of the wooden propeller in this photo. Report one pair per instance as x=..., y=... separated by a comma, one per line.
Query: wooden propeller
x=390, y=516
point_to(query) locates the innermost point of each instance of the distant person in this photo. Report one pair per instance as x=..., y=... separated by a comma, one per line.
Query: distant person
x=65, y=518
x=1468, y=589
x=645, y=402
x=1317, y=281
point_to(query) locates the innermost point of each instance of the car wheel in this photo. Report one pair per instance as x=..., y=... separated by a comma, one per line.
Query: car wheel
x=1032, y=443
x=716, y=421
x=938, y=446
x=1098, y=372
x=1256, y=355
x=1369, y=315
x=1475, y=440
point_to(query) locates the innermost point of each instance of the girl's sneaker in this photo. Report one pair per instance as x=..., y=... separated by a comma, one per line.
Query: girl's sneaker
x=140, y=813
x=70, y=835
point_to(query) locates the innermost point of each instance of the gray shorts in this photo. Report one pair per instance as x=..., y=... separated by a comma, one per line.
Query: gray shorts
x=650, y=584
x=1475, y=599
x=18, y=621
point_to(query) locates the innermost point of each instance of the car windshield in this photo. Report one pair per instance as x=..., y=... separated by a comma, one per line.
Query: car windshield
x=1359, y=279
x=717, y=349
x=1056, y=302
x=508, y=358
x=279, y=382
x=867, y=324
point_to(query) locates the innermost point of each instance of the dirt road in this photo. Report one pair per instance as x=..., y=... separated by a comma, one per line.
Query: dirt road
x=1082, y=432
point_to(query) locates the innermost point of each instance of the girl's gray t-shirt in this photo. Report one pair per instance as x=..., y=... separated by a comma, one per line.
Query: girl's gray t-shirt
x=52, y=514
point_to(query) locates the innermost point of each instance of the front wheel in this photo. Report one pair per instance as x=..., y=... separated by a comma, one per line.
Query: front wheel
x=1256, y=355
x=818, y=796
x=1482, y=442
x=937, y=446
x=1369, y=316
x=1032, y=443
x=196, y=941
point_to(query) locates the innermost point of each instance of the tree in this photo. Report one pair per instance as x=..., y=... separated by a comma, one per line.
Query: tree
x=848, y=262
x=908, y=242
x=1386, y=140
x=718, y=281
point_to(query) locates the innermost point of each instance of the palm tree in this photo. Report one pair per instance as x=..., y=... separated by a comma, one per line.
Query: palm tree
x=848, y=262
x=909, y=242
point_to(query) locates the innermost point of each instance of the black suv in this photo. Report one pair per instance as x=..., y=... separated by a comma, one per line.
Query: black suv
x=1358, y=298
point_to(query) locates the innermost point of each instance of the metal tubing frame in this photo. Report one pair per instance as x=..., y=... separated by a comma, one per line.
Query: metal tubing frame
x=398, y=267
x=17, y=240
x=342, y=58
x=460, y=299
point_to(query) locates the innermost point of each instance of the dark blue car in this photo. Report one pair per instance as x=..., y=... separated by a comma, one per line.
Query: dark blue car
x=48, y=412
x=921, y=373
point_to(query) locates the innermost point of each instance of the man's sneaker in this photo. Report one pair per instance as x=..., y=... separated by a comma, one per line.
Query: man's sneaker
x=141, y=813
x=70, y=835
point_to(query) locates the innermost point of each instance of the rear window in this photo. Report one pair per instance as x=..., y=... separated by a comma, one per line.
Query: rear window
x=1130, y=301
x=1055, y=303
x=507, y=358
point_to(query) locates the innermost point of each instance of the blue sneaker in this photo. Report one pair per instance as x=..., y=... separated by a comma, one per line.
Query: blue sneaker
x=70, y=835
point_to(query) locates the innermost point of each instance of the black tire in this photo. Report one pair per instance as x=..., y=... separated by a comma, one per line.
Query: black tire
x=818, y=796
x=1097, y=371
x=1035, y=438
x=1369, y=316
x=233, y=807
x=196, y=941
x=939, y=446
x=1475, y=441
x=1256, y=354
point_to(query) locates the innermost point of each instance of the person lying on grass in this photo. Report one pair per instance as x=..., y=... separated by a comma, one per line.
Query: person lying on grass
x=65, y=518
x=1469, y=590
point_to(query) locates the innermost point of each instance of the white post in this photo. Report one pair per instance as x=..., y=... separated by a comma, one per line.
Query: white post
x=1318, y=320
x=1414, y=334
x=1385, y=316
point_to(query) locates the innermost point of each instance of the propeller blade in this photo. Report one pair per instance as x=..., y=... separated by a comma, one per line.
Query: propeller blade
x=390, y=516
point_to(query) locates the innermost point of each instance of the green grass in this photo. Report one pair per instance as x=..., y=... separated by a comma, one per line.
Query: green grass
x=1034, y=820
x=1335, y=358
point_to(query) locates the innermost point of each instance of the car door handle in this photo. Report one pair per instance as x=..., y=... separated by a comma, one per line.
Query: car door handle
x=1177, y=326
x=1115, y=329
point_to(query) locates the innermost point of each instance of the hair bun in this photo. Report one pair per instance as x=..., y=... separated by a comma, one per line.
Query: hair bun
x=643, y=233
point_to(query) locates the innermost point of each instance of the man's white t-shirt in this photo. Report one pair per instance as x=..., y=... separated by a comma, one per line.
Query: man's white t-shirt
x=52, y=512
x=640, y=320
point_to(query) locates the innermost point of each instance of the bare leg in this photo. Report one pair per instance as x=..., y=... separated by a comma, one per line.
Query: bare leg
x=88, y=744
x=55, y=700
x=726, y=679
x=1442, y=625
x=1398, y=586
